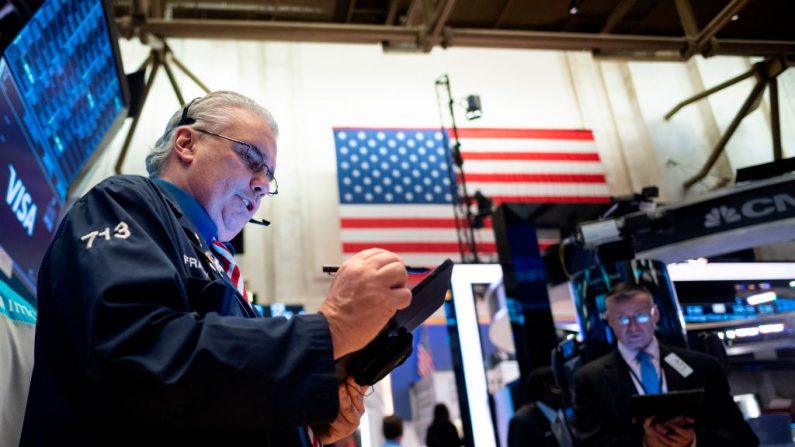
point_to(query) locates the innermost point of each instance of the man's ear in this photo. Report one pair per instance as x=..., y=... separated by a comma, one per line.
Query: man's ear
x=655, y=313
x=184, y=144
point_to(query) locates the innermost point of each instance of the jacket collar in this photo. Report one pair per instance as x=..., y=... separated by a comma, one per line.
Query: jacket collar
x=192, y=209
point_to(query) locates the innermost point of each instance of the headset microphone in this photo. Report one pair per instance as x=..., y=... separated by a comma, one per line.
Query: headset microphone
x=262, y=222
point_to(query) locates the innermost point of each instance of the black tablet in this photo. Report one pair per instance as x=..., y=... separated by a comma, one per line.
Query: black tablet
x=393, y=344
x=667, y=406
x=426, y=297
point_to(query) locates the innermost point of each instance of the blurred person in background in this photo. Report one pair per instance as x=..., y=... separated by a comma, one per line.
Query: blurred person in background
x=442, y=432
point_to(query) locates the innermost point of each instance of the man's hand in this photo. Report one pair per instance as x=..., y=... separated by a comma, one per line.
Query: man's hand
x=367, y=290
x=351, y=398
x=676, y=432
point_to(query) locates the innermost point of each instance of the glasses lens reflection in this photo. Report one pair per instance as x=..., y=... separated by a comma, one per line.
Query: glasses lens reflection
x=640, y=318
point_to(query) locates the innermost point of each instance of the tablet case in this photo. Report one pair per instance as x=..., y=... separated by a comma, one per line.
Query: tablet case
x=667, y=406
x=393, y=345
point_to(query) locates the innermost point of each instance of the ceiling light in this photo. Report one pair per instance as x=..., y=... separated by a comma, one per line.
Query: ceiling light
x=573, y=7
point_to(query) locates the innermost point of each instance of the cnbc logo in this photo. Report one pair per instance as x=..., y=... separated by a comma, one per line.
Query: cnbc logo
x=752, y=209
x=717, y=216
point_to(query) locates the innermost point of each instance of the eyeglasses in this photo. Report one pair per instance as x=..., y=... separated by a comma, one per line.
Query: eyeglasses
x=640, y=318
x=253, y=158
x=251, y=155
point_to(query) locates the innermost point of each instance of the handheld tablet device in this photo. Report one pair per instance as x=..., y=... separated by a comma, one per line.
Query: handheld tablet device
x=392, y=346
x=667, y=406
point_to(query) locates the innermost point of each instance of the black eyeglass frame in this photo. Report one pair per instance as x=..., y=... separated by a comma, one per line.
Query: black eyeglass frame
x=251, y=161
x=256, y=162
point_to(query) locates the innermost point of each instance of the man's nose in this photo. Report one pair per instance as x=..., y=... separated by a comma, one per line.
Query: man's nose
x=260, y=183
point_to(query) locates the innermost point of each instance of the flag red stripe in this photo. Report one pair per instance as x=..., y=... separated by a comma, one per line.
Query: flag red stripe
x=424, y=361
x=423, y=247
x=533, y=156
x=548, y=134
x=396, y=223
x=360, y=222
x=535, y=178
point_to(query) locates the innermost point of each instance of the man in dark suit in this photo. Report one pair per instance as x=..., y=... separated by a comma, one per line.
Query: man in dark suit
x=538, y=423
x=641, y=365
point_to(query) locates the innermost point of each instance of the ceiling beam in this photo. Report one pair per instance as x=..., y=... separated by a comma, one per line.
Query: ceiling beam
x=351, y=10
x=621, y=10
x=702, y=41
x=744, y=47
x=392, y=14
x=441, y=22
x=687, y=18
x=459, y=37
x=503, y=13
x=340, y=14
x=560, y=41
x=415, y=15
x=280, y=31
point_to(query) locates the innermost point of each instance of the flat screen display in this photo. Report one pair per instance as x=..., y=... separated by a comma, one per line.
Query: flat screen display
x=64, y=62
x=62, y=96
x=729, y=292
x=31, y=204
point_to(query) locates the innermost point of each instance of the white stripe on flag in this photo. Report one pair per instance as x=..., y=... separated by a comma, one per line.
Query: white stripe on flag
x=539, y=189
x=525, y=145
x=529, y=167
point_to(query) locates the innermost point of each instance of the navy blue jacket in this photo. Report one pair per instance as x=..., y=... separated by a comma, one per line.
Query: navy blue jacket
x=140, y=341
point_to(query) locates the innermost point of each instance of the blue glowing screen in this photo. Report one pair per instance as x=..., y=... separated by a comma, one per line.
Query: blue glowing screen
x=61, y=92
x=64, y=65
x=31, y=204
x=729, y=301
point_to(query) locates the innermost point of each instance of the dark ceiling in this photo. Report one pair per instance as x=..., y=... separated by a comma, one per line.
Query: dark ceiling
x=660, y=29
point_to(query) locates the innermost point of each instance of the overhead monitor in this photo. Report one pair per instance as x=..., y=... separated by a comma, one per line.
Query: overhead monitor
x=63, y=94
x=734, y=293
x=32, y=204
x=66, y=64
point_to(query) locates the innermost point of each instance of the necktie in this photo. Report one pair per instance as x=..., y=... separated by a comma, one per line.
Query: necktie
x=648, y=374
x=560, y=431
x=313, y=439
x=229, y=266
x=231, y=269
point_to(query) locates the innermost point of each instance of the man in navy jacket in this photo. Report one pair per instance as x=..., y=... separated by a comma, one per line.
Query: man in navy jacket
x=143, y=340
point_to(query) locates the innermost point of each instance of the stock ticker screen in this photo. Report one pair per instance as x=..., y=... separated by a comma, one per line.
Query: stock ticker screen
x=65, y=67
x=735, y=301
x=62, y=92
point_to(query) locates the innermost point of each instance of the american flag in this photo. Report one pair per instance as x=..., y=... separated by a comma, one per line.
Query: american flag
x=425, y=365
x=397, y=187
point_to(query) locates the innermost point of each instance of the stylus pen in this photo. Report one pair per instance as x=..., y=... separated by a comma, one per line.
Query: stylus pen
x=410, y=270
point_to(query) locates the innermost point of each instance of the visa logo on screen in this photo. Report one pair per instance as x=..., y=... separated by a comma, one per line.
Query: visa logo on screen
x=20, y=201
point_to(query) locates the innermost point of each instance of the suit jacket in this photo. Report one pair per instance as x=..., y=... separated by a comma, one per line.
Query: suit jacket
x=602, y=391
x=529, y=427
x=442, y=434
